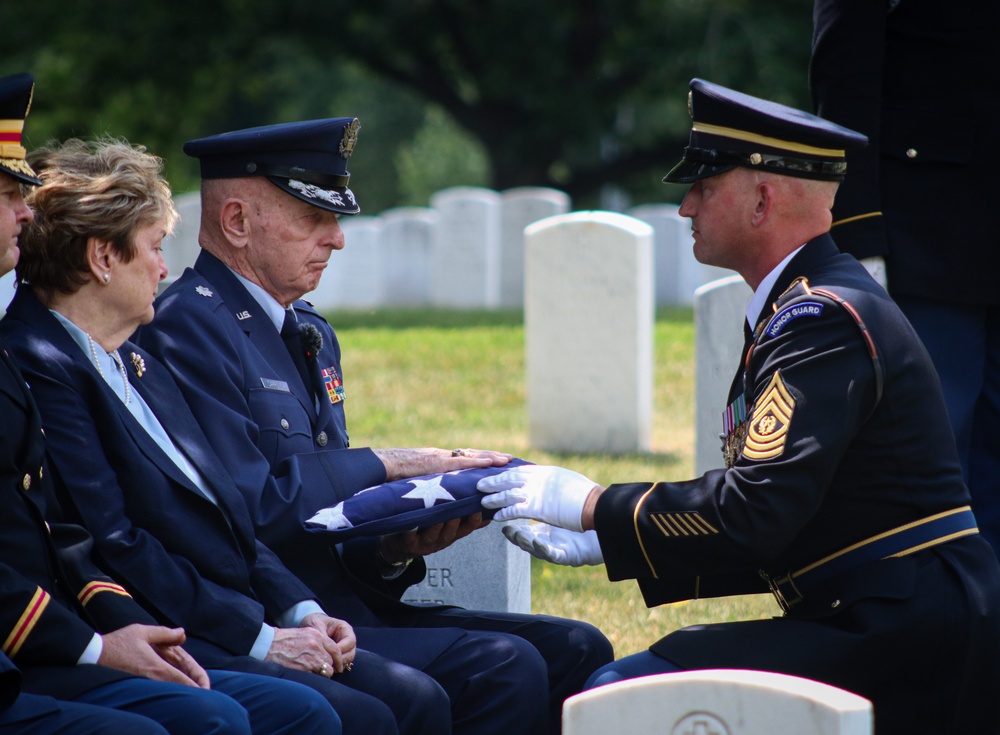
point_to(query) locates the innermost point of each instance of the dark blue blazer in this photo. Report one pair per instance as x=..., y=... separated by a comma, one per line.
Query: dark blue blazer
x=188, y=561
x=289, y=459
x=52, y=596
x=918, y=77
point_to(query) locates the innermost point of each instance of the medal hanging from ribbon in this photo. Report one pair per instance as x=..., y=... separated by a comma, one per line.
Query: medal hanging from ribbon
x=734, y=430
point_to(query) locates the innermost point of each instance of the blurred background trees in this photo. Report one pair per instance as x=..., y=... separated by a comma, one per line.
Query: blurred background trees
x=584, y=95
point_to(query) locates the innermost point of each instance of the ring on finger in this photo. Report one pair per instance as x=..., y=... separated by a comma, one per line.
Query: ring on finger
x=323, y=670
x=457, y=452
x=348, y=666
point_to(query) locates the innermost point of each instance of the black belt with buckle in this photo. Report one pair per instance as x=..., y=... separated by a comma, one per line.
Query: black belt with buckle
x=901, y=541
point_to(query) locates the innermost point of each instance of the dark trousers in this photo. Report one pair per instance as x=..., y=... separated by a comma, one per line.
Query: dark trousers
x=538, y=661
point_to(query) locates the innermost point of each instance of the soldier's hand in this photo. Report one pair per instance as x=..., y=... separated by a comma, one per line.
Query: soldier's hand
x=153, y=652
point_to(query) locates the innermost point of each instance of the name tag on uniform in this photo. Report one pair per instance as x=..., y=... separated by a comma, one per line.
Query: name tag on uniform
x=271, y=384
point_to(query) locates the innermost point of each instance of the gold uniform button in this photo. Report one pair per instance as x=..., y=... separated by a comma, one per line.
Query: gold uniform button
x=26, y=482
x=284, y=423
x=321, y=439
x=911, y=153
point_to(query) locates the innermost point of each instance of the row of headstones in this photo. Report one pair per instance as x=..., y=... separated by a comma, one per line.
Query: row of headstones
x=465, y=250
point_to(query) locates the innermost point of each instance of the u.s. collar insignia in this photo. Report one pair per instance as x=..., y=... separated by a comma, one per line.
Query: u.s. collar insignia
x=139, y=363
x=203, y=291
x=350, y=138
x=772, y=414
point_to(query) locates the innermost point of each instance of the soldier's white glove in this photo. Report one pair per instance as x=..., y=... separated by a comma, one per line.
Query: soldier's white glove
x=553, y=495
x=557, y=545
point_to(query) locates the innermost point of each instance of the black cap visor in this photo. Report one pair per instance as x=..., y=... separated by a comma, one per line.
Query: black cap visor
x=338, y=199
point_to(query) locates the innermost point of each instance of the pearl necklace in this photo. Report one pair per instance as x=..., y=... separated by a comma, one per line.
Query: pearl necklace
x=118, y=361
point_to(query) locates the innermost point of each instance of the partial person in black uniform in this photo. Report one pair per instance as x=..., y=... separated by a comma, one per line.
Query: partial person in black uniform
x=918, y=77
x=88, y=658
x=261, y=370
x=131, y=465
x=842, y=491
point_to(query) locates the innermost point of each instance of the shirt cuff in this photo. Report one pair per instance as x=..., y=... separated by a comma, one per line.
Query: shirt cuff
x=292, y=617
x=263, y=643
x=93, y=651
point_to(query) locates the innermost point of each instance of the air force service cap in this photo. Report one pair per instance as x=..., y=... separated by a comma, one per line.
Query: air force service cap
x=731, y=129
x=307, y=159
x=15, y=101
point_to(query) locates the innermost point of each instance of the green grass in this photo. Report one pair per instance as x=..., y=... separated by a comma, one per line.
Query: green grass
x=453, y=378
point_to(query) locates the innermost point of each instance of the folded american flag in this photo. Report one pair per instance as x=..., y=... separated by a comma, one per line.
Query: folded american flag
x=415, y=502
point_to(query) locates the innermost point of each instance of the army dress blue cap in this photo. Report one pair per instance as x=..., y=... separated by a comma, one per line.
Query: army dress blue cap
x=731, y=129
x=307, y=159
x=15, y=101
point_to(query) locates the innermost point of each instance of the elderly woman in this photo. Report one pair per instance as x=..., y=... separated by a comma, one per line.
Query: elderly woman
x=168, y=521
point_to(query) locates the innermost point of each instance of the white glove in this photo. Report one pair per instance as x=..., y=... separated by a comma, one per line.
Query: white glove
x=553, y=495
x=557, y=545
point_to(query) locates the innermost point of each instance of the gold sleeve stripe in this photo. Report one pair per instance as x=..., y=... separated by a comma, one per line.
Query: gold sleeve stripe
x=93, y=588
x=686, y=523
x=638, y=536
x=26, y=623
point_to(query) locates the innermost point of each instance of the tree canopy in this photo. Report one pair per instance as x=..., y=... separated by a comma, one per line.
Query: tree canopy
x=575, y=94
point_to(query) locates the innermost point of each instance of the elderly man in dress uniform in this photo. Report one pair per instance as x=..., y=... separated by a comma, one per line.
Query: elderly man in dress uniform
x=842, y=491
x=261, y=370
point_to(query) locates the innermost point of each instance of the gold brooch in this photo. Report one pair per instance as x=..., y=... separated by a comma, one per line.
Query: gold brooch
x=139, y=363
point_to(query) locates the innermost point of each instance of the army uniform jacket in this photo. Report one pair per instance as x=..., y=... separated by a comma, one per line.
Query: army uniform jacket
x=53, y=597
x=189, y=561
x=289, y=457
x=917, y=77
x=846, y=439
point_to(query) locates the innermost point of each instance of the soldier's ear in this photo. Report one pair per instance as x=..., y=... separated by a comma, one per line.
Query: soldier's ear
x=762, y=204
x=234, y=221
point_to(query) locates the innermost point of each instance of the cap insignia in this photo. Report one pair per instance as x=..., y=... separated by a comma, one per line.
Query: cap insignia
x=314, y=192
x=350, y=138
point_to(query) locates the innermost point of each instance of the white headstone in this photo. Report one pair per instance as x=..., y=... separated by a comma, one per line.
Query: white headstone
x=181, y=249
x=353, y=277
x=678, y=273
x=718, y=702
x=407, y=237
x=465, y=257
x=719, y=314
x=522, y=206
x=482, y=571
x=589, y=332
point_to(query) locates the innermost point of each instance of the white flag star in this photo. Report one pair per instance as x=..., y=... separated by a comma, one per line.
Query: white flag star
x=429, y=491
x=332, y=519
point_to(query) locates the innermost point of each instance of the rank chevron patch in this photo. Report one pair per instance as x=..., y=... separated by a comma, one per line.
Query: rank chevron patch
x=769, y=423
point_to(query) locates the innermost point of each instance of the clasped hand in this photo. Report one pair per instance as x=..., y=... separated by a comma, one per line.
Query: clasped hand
x=320, y=644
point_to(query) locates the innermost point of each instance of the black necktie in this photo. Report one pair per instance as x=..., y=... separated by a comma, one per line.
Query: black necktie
x=737, y=386
x=293, y=341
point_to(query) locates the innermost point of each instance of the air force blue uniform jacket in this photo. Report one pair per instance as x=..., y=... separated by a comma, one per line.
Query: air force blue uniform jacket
x=266, y=423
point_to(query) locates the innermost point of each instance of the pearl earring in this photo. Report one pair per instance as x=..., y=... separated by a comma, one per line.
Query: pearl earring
x=107, y=278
